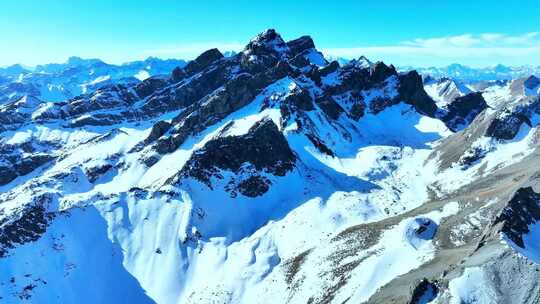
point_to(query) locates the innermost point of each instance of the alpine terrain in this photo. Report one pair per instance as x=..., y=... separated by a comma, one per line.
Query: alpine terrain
x=271, y=175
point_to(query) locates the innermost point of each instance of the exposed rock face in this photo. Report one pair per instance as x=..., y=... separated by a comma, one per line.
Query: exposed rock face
x=252, y=186
x=297, y=102
x=263, y=147
x=450, y=92
x=509, y=119
x=329, y=106
x=462, y=110
x=320, y=145
x=507, y=126
x=521, y=211
x=330, y=68
x=300, y=45
x=358, y=109
x=188, y=90
x=300, y=99
x=411, y=90
x=446, y=90
x=263, y=51
x=202, y=61
x=14, y=165
x=159, y=129
x=235, y=94
x=28, y=228
x=267, y=42
x=94, y=173
x=380, y=71
x=354, y=77
x=149, y=86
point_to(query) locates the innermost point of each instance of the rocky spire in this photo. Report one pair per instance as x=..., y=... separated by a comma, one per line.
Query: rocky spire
x=363, y=62
x=265, y=42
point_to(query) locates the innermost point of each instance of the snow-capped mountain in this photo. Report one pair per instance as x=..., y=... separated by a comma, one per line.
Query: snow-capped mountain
x=469, y=74
x=273, y=176
x=462, y=73
x=340, y=60
x=61, y=81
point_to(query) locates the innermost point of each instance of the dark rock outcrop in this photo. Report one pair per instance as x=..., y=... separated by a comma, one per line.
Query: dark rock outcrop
x=380, y=72
x=507, y=126
x=329, y=106
x=263, y=148
x=253, y=186
x=299, y=45
x=299, y=99
x=188, y=91
x=411, y=90
x=267, y=42
x=358, y=110
x=508, y=119
x=462, y=110
x=263, y=52
x=234, y=95
x=18, y=165
x=320, y=145
x=158, y=129
x=94, y=173
x=520, y=212
x=28, y=227
x=7, y=174
x=149, y=86
x=203, y=61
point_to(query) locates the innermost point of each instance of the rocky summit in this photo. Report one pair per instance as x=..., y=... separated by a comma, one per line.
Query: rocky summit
x=270, y=175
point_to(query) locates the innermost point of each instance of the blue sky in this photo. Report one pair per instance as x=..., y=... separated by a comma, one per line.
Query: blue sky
x=419, y=33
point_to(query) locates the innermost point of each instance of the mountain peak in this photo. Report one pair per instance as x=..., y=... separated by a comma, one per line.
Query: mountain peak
x=363, y=62
x=267, y=35
x=209, y=56
x=268, y=40
x=501, y=68
x=14, y=69
x=75, y=60
x=78, y=61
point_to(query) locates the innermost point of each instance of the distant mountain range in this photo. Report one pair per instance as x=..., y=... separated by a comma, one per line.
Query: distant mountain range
x=465, y=73
x=61, y=81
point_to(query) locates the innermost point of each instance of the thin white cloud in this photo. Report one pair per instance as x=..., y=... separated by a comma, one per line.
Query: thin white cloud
x=486, y=40
x=477, y=50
